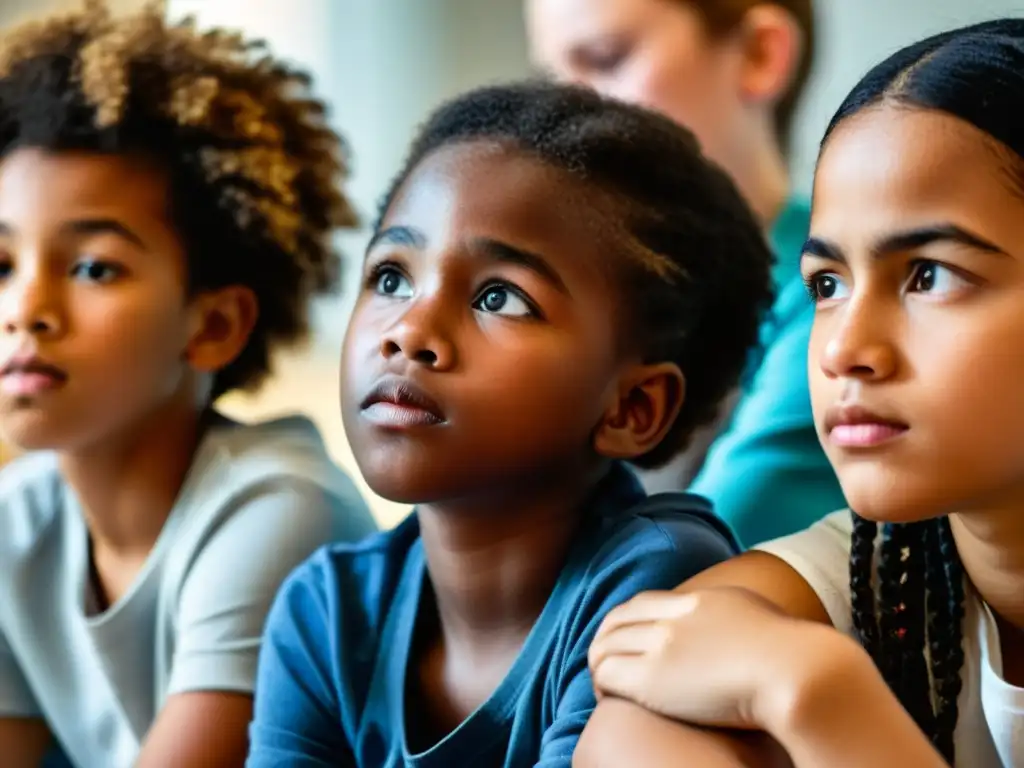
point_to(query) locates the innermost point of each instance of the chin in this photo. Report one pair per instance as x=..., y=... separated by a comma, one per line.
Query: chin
x=25, y=432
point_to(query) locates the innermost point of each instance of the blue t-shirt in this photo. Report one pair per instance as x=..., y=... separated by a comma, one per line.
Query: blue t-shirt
x=335, y=661
x=767, y=474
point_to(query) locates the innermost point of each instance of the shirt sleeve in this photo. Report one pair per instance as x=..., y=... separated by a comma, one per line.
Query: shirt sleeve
x=16, y=697
x=297, y=721
x=767, y=475
x=821, y=555
x=667, y=556
x=227, y=594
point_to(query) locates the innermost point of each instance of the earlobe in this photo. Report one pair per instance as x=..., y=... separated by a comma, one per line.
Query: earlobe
x=222, y=322
x=647, y=405
x=773, y=49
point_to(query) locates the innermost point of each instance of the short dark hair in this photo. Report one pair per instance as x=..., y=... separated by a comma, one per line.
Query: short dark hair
x=254, y=169
x=723, y=16
x=694, y=261
x=975, y=74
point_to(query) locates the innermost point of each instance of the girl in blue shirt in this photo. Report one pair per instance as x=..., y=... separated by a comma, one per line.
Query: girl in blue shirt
x=557, y=284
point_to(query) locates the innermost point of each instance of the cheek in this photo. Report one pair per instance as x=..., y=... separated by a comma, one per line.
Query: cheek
x=969, y=376
x=137, y=335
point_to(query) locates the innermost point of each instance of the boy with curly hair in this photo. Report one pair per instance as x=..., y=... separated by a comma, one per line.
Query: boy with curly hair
x=167, y=206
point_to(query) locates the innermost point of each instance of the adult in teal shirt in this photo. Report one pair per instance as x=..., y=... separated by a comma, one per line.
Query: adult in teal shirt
x=732, y=72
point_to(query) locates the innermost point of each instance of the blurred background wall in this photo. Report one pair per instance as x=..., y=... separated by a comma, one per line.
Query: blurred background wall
x=383, y=64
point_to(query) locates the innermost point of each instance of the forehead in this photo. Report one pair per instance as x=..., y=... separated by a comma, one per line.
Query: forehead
x=487, y=190
x=34, y=182
x=896, y=168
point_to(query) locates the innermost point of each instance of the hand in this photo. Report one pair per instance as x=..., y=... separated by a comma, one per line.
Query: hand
x=722, y=657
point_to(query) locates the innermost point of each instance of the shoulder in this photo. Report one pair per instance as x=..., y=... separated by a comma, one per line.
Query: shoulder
x=31, y=491
x=821, y=555
x=657, y=543
x=354, y=579
x=276, y=474
x=286, y=447
x=365, y=572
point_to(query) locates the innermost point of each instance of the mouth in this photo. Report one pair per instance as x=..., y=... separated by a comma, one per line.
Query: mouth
x=397, y=403
x=854, y=426
x=30, y=375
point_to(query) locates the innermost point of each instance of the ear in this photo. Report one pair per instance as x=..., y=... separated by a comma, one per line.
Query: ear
x=772, y=49
x=220, y=325
x=647, y=402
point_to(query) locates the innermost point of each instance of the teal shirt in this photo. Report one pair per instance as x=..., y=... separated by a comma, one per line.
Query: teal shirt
x=766, y=474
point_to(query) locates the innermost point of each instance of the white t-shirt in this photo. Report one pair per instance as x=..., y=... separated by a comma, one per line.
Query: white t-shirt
x=990, y=729
x=257, y=501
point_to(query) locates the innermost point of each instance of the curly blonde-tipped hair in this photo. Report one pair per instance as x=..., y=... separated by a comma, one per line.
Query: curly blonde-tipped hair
x=255, y=170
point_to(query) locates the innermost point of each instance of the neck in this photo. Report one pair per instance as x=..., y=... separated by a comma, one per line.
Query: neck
x=991, y=547
x=759, y=170
x=493, y=566
x=129, y=482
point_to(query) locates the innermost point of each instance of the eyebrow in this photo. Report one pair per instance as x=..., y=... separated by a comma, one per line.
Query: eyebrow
x=503, y=253
x=910, y=240
x=409, y=236
x=86, y=227
x=486, y=247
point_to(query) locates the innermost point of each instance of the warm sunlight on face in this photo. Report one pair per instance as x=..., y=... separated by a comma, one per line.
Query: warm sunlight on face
x=916, y=260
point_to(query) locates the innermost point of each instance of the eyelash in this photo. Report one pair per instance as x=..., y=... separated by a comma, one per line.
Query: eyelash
x=374, y=275
x=916, y=266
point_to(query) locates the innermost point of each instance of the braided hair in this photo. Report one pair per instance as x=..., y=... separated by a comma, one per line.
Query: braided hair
x=908, y=611
x=913, y=626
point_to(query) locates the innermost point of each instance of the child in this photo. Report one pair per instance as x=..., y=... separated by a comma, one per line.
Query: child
x=558, y=283
x=167, y=203
x=733, y=72
x=916, y=268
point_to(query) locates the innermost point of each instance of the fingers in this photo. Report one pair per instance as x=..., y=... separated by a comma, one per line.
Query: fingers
x=621, y=676
x=648, y=606
x=629, y=639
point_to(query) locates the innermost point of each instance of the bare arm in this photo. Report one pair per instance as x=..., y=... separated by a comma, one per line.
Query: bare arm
x=768, y=577
x=845, y=716
x=200, y=730
x=821, y=691
x=622, y=733
x=24, y=742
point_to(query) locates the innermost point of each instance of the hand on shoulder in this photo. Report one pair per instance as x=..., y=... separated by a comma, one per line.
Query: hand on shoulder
x=721, y=656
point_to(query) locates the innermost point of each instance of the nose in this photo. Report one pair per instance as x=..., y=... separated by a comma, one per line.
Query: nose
x=29, y=305
x=861, y=345
x=420, y=336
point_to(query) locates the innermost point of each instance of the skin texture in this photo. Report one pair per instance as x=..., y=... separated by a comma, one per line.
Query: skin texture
x=916, y=266
x=659, y=54
x=93, y=282
x=487, y=276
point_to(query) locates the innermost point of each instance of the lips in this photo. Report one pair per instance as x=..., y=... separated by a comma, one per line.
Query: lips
x=28, y=374
x=399, y=403
x=854, y=426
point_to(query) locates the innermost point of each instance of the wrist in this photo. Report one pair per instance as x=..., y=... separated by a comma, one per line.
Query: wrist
x=820, y=670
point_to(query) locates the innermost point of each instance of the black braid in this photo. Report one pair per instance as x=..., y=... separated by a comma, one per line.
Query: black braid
x=945, y=579
x=901, y=612
x=919, y=605
x=862, y=592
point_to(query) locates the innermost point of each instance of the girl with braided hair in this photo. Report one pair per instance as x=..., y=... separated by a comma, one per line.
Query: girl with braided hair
x=916, y=270
x=168, y=201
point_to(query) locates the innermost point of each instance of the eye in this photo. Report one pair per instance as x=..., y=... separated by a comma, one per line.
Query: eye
x=603, y=57
x=388, y=281
x=932, y=277
x=503, y=300
x=826, y=286
x=93, y=271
